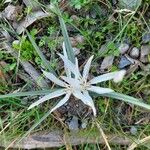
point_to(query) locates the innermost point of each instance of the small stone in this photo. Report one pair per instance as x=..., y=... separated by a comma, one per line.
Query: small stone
x=145, y=51
x=84, y=124
x=135, y=52
x=146, y=38
x=73, y=124
x=79, y=39
x=15, y=42
x=73, y=42
x=123, y=48
x=74, y=17
x=107, y=62
x=76, y=51
x=124, y=62
x=133, y=130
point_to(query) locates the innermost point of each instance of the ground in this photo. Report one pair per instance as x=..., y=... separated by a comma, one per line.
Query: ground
x=117, y=33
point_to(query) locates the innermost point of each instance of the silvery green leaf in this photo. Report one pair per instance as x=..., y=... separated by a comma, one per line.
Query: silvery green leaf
x=86, y=99
x=87, y=68
x=68, y=64
x=90, y=102
x=72, y=81
x=77, y=75
x=104, y=77
x=127, y=98
x=62, y=102
x=99, y=90
x=68, y=72
x=54, y=79
x=47, y=97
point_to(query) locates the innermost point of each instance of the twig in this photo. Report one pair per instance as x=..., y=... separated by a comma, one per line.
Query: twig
x=135, y=144
x=56, y=139
x=103, y=135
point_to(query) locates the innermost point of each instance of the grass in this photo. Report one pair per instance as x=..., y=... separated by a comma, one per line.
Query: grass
x=16, y=121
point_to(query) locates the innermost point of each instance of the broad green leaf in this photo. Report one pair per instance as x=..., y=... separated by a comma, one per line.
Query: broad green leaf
x=44, y=60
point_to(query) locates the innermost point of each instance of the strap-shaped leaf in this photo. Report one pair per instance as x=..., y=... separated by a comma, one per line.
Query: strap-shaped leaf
x=44, y=60
x=61, y=102
x=47, y=97
x=128, y=99
x=54, y=79
x=87, y=68
x=99, y=90
x=86, y=99
x=70, y=52
x=68, y=72
x=104, y=77
x=90, y=102
x=68, y=64
x=32, y=93
x=72, y=81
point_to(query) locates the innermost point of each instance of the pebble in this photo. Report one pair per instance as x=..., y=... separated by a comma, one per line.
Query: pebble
x=107, y=62
x=145, y=51
x=124, y=62
x=146, y=38
x=79, y=39
x=73, y=124
x=84, y=124
x=76, y=51
x=133, y=130
x=135, y=52
x=123, y=48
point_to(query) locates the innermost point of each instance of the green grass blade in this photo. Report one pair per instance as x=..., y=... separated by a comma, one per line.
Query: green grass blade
x=44, y=60
x=32, y=93
x=34, y=126
x=68, y=46
x=127, y=98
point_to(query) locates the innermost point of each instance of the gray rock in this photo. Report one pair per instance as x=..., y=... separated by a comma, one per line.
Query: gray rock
x=135, y=52
x=145, y=51
x=107, y=62
x=133, y=130
x=124, y=62
x=123, y=48
x=73, y=124
x=146, y=38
